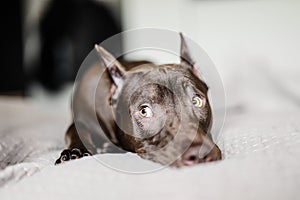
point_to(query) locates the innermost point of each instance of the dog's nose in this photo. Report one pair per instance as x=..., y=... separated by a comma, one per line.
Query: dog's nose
x=197, y=154
x=191, y=156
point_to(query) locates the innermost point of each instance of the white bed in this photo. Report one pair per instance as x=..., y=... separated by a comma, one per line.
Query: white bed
x=260, y=143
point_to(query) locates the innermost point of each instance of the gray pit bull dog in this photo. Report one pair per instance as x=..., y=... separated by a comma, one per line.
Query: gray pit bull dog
x=160, y=112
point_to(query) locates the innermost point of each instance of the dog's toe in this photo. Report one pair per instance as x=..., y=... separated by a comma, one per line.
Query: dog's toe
x=86, y=154
x=76, y=153
x=64, y=156
x=72, y=154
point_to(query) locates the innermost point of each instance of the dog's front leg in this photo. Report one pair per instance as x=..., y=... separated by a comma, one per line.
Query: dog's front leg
x=77, y=147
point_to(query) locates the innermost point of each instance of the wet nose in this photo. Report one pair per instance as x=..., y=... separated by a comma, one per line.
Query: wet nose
x=191, y=156
x=198, y=153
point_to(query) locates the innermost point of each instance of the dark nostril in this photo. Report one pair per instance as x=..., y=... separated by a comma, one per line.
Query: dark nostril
x=192, y=158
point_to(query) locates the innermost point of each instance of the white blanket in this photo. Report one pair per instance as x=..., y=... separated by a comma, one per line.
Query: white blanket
x=260, y=144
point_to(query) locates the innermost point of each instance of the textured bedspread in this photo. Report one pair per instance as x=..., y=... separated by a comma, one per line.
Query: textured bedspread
x=261, y=149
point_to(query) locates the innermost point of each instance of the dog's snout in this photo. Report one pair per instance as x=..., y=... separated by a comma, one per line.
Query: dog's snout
x=191, y=156
x=198, y=153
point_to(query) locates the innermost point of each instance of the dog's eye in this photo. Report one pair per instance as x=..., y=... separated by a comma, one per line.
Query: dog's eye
x=197, y=101
x=145, y=111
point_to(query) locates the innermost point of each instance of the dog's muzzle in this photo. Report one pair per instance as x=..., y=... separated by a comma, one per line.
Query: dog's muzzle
x=198, y=153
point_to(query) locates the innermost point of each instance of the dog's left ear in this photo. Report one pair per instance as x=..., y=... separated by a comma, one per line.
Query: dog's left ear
x=114, y=68
x=185, y=57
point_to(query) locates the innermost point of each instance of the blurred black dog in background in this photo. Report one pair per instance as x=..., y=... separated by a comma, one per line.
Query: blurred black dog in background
x=69, y=30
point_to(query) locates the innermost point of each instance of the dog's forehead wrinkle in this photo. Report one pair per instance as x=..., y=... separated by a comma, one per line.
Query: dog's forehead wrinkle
x=153, y=94
x=162, y=76
x=143, y=68
x=166, y=74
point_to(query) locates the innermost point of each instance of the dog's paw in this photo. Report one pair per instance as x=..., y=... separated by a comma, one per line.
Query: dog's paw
x=72, y=154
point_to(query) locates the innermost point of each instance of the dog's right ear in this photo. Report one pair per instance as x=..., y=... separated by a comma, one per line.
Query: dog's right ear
x=115, y=70
x=114, y=67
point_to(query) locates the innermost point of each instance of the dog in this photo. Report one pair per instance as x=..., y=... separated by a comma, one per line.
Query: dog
x=160, y=112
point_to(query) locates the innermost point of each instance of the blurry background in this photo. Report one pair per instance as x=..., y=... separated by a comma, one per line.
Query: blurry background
x=255, y=44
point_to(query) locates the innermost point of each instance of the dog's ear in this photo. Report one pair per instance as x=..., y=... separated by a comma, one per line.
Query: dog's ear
x=185, y=57
x=115, y=70
x=114, y=67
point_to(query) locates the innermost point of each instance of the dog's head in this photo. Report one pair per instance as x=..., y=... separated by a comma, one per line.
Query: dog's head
x=162, y=111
